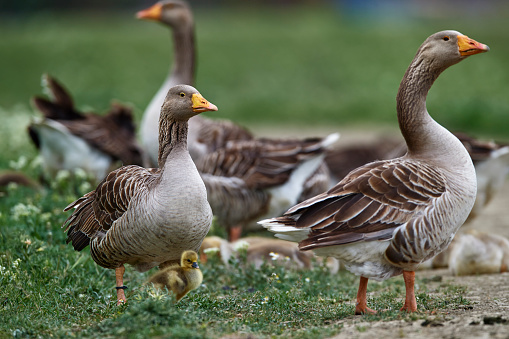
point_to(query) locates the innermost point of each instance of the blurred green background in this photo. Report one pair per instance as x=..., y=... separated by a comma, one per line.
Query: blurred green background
x=302, y=64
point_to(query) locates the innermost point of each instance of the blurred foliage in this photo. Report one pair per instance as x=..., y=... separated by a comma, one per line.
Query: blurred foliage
x=283, y=65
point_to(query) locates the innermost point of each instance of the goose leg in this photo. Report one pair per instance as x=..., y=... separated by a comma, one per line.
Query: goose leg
x=362, y=307
x=235, y=233
x=410, y=302
x=119, y=275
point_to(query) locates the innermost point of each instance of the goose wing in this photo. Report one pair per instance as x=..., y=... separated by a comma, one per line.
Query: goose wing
x=260, y=163
x=368, y=204
x=96, y=211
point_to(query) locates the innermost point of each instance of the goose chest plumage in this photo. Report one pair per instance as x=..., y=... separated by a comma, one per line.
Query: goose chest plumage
x=386, y=217
x=148, y=217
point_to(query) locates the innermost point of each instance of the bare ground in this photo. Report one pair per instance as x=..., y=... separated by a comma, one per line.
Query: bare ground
x=488, y=314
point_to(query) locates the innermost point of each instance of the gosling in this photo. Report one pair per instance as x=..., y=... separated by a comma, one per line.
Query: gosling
x=180, y=279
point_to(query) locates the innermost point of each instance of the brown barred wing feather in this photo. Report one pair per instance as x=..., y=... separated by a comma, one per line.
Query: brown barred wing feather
x=368, y=204
x=96, y=211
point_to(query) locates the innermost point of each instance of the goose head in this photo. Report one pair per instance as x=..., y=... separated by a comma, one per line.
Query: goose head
x=183, y=102
x=173, y=13
x=446, y=48
x=189, y=260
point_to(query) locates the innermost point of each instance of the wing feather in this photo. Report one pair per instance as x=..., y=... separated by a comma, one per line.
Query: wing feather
x=369, y=204
x=96, y=211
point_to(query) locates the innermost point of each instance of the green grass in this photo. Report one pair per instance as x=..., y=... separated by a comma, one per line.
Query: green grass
x=289, y=66
x=48, y=289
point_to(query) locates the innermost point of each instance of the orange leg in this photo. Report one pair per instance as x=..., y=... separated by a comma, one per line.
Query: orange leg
x=410, y=302
x=119, y=275
x=362, y=306
x=235, y=233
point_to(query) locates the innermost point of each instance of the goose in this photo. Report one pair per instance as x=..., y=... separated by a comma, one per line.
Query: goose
x=180, y=279
x=147, y=217
x=248, y=180
x=205, y=135
x=386, y=217
x=474, y=252
x=233, y=201
x=68, y=139
x=262, y=249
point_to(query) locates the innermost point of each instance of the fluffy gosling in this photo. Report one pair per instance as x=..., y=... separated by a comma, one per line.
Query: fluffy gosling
x=180, y=279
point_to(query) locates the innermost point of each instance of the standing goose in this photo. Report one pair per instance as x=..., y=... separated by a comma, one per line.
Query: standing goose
x=205, y=135
x=386, y=217
x=249, y=180
x=68, y=139
x=233, y=201
x=148, y=217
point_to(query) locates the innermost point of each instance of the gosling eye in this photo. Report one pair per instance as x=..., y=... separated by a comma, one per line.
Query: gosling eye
x=445, y=38
x=188, y=260
x=182, y=94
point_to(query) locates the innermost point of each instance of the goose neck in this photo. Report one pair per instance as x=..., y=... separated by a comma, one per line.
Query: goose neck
x=172, y=138
x=184, y=57
x=414, y=121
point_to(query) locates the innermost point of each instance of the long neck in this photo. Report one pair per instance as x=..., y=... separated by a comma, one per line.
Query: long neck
x=172, y=137
x=422, y=134
x=184, y=60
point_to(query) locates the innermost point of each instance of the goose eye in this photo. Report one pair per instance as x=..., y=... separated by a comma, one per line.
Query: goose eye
x=182, y=94
x=188, y=259
x=445, y=38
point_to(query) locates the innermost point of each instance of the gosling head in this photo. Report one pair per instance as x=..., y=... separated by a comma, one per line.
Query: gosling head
x=189, y=259
x=173, y=13
x=446, y=48
x=183, y=102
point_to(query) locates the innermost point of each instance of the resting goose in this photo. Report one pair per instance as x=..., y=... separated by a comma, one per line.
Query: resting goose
x=68, y=139
x=260, y=250
x=247, y=180
x=205, y=135
x=386, y=217
x=148, y=217
x=474, y=252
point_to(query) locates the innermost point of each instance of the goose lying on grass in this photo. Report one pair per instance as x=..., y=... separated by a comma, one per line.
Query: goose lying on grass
x=474, y=252
x=68, y=139
x=148, y=217
x=180, y=279
x=261, y=249
x=386, y=217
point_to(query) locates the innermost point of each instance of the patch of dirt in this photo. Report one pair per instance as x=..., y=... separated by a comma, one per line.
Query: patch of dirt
x=486, y=317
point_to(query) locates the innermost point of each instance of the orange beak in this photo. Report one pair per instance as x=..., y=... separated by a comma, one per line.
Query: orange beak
x=200, y=104
x=469, y=46
x=151, y=13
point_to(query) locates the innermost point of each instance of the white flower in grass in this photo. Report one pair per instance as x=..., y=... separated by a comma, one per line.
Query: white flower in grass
x=22, y=210
x=28, y=242
x=307, y=280
x=80, y=174
x=63, y=175
x=211, y=250
x=15, y=263
x=274, y=256
x=36, y=162
x=240, y=245
x=18, y=164
x=85, y=187
x=265, y=300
